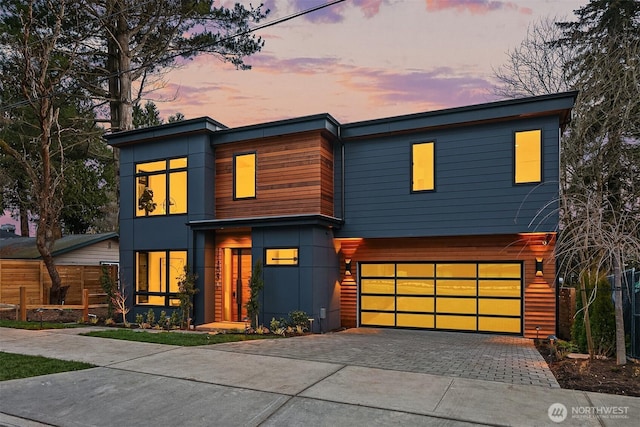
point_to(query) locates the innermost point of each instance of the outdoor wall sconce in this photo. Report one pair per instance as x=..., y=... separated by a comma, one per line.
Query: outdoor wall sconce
x=538, y=267
x=347, y=267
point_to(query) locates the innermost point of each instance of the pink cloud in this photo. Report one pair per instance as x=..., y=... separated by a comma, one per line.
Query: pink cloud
x=475, y=7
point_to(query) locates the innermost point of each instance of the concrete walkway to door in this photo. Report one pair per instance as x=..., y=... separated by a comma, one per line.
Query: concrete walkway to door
x=369, y=378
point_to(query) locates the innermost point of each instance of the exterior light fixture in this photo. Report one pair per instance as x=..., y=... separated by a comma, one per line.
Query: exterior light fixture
x=347, y=267
x=539, y=267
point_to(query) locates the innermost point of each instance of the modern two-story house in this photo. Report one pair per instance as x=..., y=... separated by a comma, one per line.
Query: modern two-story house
x=440, y=220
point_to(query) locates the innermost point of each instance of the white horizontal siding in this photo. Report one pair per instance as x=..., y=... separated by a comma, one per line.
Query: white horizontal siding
x=105, y=251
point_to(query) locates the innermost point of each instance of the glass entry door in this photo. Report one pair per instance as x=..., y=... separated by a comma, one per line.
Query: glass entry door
x=236, y=283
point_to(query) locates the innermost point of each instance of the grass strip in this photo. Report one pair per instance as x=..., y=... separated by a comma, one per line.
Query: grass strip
x=174, y=338
x=18, y=324
x=14, y=366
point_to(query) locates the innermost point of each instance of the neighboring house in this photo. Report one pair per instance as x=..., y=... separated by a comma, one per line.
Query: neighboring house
x=8, y=231
x=438, y=220
x=75, y=249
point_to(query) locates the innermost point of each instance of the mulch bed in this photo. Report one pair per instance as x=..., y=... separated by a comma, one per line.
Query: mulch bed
x=597, y=375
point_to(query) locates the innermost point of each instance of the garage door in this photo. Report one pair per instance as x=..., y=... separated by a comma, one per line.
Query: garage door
x=466, y=296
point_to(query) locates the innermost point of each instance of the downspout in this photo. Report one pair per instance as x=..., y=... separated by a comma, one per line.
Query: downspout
x=342, y=179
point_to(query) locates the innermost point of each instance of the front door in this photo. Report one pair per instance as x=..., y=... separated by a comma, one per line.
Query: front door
x=237, y=290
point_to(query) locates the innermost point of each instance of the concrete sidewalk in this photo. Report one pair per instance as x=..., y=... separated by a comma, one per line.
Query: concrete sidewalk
x=137, y=384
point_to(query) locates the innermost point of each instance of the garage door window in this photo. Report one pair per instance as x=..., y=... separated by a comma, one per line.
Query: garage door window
x=466, y=296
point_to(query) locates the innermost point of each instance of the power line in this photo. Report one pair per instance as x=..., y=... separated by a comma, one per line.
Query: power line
x=244, y=33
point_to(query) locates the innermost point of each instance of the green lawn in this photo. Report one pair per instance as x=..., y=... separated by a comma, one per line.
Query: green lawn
x=174, y=338
x=17, y=324
x=14, y=366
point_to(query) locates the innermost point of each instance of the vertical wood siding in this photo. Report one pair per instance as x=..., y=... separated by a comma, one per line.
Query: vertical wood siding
x=294, y=175
x=539, y=293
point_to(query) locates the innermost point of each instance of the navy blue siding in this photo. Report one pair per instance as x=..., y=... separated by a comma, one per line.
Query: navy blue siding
x=310, y=285
x=165, y=232
x=475, y=191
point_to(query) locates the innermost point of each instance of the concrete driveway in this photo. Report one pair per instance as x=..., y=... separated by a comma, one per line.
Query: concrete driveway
x=357, y=377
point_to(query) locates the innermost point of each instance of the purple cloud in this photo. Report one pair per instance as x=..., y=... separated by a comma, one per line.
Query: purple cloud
x=475, y=7
x=334, y=14
x=306, y=65
x=438, y=88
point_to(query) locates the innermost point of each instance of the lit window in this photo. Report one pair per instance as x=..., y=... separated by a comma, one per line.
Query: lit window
x=528, y=156
x=158, y=274
x=244, y=181
x=422, y=171
x=161, y=187
x=287, y=256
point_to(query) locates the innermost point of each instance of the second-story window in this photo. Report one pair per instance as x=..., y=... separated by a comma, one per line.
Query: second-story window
x=422, y=167
x=244, y=176
x=528, y=157
x=161, y=187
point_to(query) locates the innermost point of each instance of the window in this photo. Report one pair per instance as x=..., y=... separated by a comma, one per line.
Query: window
x=244, y=176
x=528, y=156
x=157, y=275
x=286, y=256
x=161, y=187
x=422, y=167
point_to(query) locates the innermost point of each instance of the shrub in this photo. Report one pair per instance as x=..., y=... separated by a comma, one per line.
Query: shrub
x=299, y=318
x=601, y=318
x=151, y=317
x=139, y=318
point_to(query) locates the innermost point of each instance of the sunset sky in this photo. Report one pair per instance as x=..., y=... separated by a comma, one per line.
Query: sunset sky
x=360, y=60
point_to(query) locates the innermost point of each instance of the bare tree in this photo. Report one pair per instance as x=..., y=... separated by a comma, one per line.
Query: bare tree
x=537, y=65
x=42, y=72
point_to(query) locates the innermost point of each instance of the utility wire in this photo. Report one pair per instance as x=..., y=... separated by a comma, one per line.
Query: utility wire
x=249, y=31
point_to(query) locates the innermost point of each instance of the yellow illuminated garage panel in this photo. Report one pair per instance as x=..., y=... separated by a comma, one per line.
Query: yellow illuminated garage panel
x=456, y=270
x=377, y=270
x=495, y=271
x=415, y=286
x=500, y=307
x=423, y=305
x=456, y=305
x=499, y=324
x=412, y=320
x=377, y=319
x=456, y=287
x=415, y=270
x=499, y=288
x=377, y=286
x=369, y=302
x=463, y=323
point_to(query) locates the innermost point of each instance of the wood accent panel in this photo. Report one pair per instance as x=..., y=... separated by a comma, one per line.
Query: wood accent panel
x=539, y=292
x=33, y=275
x=294, y=175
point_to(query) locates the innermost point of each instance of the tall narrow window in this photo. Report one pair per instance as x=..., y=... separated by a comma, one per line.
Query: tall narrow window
x=244, y=179
x=161, y=187
x=528, y=156
x=422, y=167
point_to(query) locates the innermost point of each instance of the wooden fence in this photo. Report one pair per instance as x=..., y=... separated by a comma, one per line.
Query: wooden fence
x=33, y=276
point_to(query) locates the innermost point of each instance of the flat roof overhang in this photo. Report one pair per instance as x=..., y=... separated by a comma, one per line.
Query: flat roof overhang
x=266, y=221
